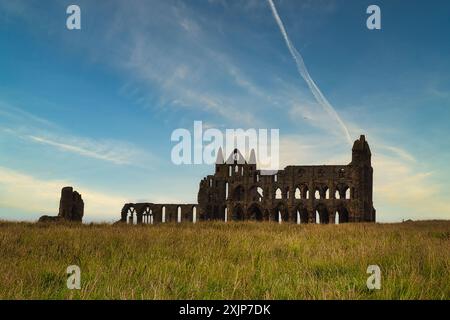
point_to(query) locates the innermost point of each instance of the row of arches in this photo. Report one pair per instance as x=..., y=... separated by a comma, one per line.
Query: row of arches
x=299, y=215
x=236, y=170
x=151, y=214
x=256, y=193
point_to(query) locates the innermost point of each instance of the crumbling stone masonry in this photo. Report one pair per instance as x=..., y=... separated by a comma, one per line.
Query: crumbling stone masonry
x=71, y=207
x=299, y=194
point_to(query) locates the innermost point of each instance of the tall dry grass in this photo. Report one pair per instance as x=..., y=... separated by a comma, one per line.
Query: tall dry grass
x=225, y=261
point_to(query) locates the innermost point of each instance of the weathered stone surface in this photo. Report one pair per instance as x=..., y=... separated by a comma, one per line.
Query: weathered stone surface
x=238, y=191
x=45, y=219
x=71, y=207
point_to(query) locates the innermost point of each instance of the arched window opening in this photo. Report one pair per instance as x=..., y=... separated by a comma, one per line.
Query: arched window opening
x=298, y=217
x=194, y=214
x=239, y=193
x=279, y=217
x=278, y=194
x=307, y=194
x=327, y=194
x=336, y=195
x=260, y=193
x=287, y=194
x=179, y=214
x=226, y=214
x=230, y=171
x=236, y=169
x=257, y=178
x=242, y=171
x=226, y=190
x=342, y=215
x=210, y=182
x=298, y=194
x=322, y=215
x=149, y=216
x=302, y=215
x=130, y=215
x=275, y=178
x=336, y=218
x=317, y=194
x=254, y=213
x=347, y=193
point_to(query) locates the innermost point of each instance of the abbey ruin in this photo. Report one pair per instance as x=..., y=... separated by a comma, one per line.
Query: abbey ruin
x=71, y=207
x=238, y=191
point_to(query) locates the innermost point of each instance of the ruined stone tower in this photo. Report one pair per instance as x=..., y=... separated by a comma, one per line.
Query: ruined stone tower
x=71, y=205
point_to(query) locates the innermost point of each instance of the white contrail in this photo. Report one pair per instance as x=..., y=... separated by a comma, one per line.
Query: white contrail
x=301, y=67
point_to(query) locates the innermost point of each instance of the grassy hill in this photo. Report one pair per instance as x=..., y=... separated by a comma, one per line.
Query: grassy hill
x=225, y=261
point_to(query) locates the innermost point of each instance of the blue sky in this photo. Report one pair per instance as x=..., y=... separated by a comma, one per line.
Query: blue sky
x=95, y=108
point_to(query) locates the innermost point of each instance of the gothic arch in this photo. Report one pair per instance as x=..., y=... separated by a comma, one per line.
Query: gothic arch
x=342, y=215
x=324, y=216
x=321, y=192
x=305, y=191
x=302, y=212
x=239, y=193
x=256, y=193
x=317, y=194
x=255, y=212
x=342, y=190
x=148, y=214
x=297, y=193
x=127, y=213
x=281, y=209
x=278, y=194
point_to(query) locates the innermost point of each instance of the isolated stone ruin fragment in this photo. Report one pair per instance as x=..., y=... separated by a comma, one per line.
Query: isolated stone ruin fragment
x=71, y=207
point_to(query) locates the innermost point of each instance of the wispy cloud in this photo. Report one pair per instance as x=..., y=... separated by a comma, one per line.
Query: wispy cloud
x=26, y=126
x=107, y=150
x=186, y=80
x=305, y=74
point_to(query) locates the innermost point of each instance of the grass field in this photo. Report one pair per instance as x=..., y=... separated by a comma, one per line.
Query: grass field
x=225, y=261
